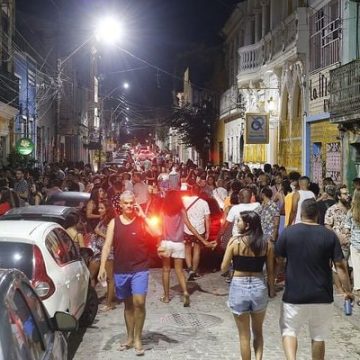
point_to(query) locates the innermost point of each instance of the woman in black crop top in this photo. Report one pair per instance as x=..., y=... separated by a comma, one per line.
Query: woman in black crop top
x=248, y=294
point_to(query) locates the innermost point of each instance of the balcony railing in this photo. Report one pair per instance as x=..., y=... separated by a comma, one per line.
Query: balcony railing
x=251, y=57
x=283, y=37
x=228, y=100
x=345, y=91
x=9, y=89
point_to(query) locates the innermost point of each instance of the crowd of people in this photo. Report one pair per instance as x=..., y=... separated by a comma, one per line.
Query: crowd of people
x=277, y=226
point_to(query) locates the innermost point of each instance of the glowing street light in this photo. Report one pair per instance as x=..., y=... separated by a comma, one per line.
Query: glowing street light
x=126, y=85
x=109, y=30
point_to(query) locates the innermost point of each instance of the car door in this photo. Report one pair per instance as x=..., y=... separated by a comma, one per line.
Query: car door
x=54, y=342
x=58, y=273
x=77, y=274
x=33, y=337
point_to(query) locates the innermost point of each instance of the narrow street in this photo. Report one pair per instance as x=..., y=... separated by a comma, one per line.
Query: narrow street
x=206, y=330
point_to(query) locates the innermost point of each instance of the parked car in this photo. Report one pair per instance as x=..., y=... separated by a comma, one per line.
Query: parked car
x=45, y=253
x=26, y=331
x=75, y=199
x=61, y=215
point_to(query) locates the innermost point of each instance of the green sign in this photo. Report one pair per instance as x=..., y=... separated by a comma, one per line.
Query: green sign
x=24, y=146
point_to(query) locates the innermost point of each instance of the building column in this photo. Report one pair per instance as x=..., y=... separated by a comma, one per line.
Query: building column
x=275, y=13
x=265, y=17
x=258, y=25
x=248, y=30
x=272, y=157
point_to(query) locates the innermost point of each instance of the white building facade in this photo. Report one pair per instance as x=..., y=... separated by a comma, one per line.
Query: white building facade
x=267, y=45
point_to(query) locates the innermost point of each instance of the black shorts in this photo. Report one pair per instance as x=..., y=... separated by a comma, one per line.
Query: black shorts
x=192, y=239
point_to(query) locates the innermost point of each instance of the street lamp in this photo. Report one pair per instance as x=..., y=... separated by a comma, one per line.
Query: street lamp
x=109, y=30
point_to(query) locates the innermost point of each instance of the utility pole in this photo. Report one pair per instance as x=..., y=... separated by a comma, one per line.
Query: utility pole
x=57, y=119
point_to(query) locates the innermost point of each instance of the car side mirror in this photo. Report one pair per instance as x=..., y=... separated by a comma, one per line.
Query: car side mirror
x=63, y=321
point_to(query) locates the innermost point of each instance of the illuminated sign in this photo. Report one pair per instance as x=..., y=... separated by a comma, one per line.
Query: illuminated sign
x=24, y=146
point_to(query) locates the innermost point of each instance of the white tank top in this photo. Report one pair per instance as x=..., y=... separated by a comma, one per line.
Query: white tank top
x=304, y=195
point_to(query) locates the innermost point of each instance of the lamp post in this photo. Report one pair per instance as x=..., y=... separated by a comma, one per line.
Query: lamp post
x=109, y=31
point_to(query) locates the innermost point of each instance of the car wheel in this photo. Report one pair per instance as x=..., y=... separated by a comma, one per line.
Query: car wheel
x=91, y=308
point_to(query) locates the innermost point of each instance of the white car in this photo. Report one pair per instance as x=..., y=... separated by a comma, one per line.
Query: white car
x=51, y=261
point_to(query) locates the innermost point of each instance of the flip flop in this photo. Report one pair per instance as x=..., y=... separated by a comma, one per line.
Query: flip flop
x=124, y=347
x=139, y=352
x=107, y=308
x=163, y=299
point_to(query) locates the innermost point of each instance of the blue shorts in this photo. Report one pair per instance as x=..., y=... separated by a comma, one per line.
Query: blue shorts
x=247, y=294
x=129, y=284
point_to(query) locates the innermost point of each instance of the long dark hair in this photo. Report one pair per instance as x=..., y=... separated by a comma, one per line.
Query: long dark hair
x=110, y=212
x=94, y=195
x=172, y=204
x=257, y=242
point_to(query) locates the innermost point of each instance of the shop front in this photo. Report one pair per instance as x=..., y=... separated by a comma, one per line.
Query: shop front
x=324, y=143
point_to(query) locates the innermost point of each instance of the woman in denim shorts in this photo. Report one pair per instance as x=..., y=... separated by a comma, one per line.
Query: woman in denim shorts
x=248, y=295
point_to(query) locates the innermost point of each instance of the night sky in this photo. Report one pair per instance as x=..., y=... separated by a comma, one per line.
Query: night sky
x=158, y=31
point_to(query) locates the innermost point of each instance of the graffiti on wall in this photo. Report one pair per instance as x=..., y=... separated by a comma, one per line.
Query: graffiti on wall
x=333, y=161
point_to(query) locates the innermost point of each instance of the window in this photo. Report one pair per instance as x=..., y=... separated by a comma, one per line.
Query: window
x=68, y=244
x=325, y=27
x=25, y=330
x=17, y=255
x=56, y=249
x=38, y=312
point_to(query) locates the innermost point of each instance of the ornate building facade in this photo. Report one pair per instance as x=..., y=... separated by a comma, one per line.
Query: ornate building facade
x=271, y=41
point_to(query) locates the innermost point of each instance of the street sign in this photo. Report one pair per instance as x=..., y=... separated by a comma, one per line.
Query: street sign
x=24, y=146
x=257, y=128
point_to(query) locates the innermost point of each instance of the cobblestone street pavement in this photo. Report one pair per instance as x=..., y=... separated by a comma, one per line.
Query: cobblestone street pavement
x=206, y=330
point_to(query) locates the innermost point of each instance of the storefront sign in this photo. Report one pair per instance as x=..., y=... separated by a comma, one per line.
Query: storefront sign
x=257, y=128
x=320, y=88
x=24, y=146
x=319, y=92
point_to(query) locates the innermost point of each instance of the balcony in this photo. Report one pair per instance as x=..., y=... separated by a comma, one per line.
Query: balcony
x=251, y=57
x=274, y=44
x=9, y=89
x=345, y=92
x=229, y=101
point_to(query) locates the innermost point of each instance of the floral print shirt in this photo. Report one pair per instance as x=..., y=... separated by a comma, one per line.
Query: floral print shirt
x=335, y=218
x=268, y=212
x=97, y=243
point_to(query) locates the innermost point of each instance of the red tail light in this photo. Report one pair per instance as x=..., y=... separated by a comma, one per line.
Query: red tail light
x=41, y=282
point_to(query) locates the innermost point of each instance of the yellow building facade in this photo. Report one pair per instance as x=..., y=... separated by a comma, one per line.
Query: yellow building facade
x=290, y=131
x=325, y=146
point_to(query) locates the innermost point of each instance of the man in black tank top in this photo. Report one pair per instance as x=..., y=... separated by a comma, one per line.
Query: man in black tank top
x=126, y=233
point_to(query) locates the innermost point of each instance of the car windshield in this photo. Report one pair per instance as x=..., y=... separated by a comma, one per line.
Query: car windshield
x=16, y=255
